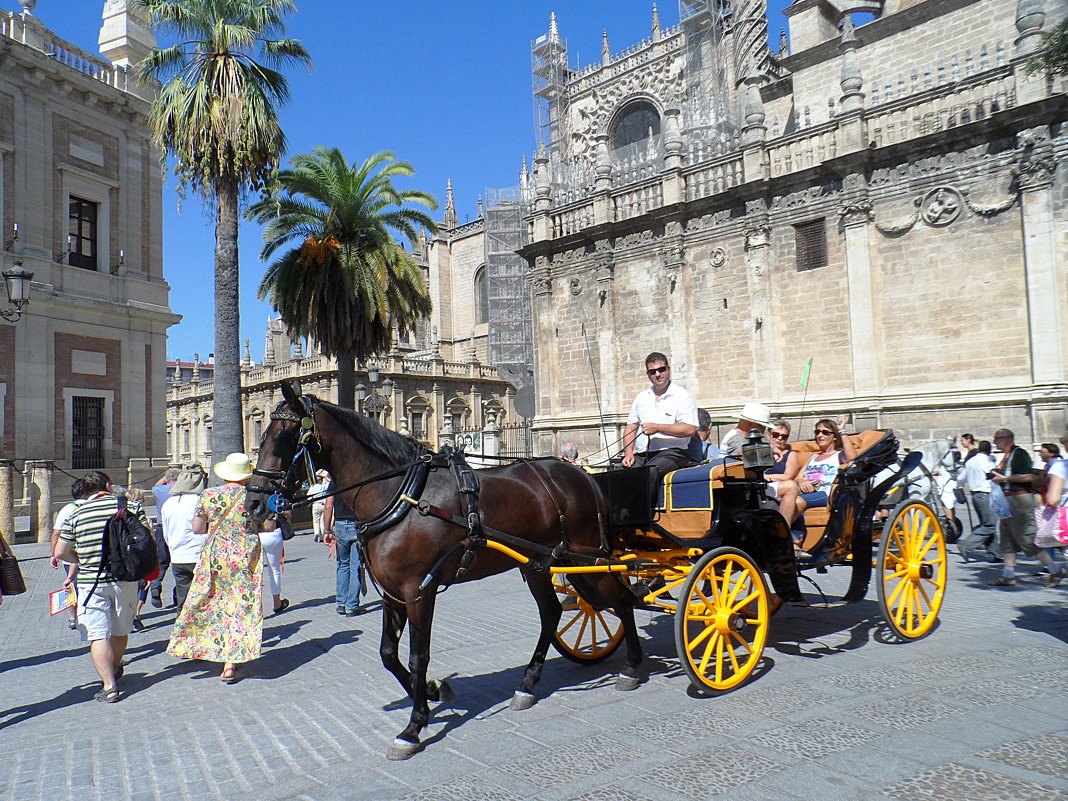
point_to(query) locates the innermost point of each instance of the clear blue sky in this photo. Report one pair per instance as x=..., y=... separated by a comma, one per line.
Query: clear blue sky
x=445, y=86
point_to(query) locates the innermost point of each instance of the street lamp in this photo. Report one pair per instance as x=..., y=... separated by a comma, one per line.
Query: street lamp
x=17, y=281
x=372, y=404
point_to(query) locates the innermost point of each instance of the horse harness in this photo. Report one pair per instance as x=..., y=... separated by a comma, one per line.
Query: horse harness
x=408, y=496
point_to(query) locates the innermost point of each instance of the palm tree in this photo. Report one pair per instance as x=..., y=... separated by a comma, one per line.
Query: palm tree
x=216, y=114
x=346, y=281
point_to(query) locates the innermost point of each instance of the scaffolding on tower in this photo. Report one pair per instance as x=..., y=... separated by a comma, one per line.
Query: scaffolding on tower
x=548, y=57
x=707, y=113
x=510, y=328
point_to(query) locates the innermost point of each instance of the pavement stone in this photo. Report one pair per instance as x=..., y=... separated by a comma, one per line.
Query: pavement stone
x=977, y=710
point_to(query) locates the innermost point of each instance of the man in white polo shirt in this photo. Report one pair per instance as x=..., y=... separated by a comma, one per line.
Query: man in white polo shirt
x=662, y=420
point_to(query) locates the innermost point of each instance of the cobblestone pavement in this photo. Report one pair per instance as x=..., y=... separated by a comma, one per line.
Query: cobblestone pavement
x=974, y=711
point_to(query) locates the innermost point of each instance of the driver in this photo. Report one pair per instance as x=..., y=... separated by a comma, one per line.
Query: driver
x=662, y=419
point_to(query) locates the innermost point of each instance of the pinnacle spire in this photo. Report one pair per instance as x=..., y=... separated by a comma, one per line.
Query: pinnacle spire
x=656, y=23
x=606, y=51
x=450, y=206
x=554, y=31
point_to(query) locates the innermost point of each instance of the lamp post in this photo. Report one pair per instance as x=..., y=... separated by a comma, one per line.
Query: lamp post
x=17, y=281
x=372, y=404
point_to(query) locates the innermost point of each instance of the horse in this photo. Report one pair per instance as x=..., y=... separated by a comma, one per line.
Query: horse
x=423, y=524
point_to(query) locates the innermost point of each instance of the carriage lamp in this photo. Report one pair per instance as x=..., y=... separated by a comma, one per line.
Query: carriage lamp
x=756, y=453
x=17, y=281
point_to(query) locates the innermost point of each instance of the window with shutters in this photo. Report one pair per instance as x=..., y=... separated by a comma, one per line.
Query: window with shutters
x=87, y=433
x=83, y=233
x=810, y=244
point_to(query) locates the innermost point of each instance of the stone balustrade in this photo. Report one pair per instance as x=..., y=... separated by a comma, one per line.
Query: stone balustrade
x=30, y=32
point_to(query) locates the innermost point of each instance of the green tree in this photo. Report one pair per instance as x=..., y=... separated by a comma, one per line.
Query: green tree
x=217, y=116
x=1052, y=55
x=346, y=281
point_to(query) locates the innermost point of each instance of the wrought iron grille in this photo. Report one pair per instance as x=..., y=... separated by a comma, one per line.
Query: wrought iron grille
x=810, y=244
x=87, y=434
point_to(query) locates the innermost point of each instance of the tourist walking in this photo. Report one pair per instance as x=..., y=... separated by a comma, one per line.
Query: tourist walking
x=222, y=619
x=177, y=515
x=321, y=486
x=1016, y=533
x=105, y=605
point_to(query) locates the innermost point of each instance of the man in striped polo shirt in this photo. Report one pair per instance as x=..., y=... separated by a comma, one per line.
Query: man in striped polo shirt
x=106, y=617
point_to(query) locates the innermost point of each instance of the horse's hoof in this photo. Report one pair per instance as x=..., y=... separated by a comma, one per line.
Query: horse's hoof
x=401, y=749
x=445, y=693
x=522, y=700
x=627, y=683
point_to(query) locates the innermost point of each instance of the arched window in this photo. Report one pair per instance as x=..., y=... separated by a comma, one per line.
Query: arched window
x=634, y=123
x=481, y=296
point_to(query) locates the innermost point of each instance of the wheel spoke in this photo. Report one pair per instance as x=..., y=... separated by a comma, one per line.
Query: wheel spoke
x=570, y=623
x=700, y=638
x=741, y=641
x=733, y=657
x=737, y=606
x=897, y=591
x=710, y=648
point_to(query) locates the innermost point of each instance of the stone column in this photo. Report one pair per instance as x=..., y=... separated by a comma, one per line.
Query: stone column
x=856, y=215
x=851, y=132
x=491, y=435
x=7, y=499
x=674, y=192
x=41, y=500
x=609, y=379
x=757, y=257
x=1047, y=309
x=544, y=336
x=602, y=196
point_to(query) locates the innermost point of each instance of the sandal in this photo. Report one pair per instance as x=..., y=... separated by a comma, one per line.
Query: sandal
x=72, y=624
x=119, y=671
x=283, y=606
x=229, y=676
x=112, y=696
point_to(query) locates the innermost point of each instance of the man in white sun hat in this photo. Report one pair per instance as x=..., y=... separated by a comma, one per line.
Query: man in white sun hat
x=754, y=416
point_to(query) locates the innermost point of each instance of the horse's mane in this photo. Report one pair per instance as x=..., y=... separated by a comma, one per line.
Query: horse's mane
x=391, y=446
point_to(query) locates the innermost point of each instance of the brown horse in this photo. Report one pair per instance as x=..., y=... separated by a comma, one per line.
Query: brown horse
x=415, y=529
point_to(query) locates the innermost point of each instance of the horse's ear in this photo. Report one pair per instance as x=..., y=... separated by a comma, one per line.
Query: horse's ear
x=291, y=392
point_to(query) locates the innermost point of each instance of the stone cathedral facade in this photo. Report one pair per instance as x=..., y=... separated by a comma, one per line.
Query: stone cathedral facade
x=884, y=193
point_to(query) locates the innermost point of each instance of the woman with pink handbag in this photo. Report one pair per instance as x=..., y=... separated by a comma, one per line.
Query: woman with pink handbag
x=1051, y=518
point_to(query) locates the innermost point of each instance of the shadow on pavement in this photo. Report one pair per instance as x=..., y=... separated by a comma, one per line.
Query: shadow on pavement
x=75, y=695
x=1044, y=618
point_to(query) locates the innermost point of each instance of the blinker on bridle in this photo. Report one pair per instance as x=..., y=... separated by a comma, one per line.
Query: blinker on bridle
x=282, y=480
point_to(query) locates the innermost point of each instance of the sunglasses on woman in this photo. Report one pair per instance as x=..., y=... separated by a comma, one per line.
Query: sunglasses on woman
x=825, y=432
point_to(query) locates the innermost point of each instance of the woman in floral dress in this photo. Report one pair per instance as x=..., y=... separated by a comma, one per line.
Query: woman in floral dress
x=222, y=620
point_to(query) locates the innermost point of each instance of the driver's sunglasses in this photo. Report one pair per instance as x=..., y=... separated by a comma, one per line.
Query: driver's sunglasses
x=658, y=370
x=825, y=432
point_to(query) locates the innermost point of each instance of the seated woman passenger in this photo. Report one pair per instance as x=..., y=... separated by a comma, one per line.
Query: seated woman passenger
x=787, y=461
x=815, y=479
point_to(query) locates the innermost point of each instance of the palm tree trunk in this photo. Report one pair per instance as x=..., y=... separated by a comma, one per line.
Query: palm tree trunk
x=227, y=432
x=346, y=380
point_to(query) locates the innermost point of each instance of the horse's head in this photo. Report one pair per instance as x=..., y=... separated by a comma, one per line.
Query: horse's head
x=286, y=451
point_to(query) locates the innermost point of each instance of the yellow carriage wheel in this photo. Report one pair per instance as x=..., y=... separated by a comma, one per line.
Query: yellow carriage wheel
x=722, y=618
x=585, y=634
x=912, y=569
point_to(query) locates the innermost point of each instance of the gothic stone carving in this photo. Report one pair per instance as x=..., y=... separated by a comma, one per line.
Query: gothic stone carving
x=718, y=257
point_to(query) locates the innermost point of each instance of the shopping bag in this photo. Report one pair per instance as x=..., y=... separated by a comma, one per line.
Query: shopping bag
x=999, y=504
x=1051, y=526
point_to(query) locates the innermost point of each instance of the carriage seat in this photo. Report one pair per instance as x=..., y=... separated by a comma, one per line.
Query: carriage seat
x=816, y=519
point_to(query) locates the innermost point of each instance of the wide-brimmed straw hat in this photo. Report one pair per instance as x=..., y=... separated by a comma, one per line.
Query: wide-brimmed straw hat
x=236, y=467
x=756, y=413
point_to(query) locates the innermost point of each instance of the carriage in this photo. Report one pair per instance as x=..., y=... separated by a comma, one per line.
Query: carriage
x=707, y=546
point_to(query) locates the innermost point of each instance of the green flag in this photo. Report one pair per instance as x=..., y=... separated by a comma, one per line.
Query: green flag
x=804, y=375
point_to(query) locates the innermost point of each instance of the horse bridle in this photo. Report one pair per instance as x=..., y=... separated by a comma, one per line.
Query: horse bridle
x=282, y=483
